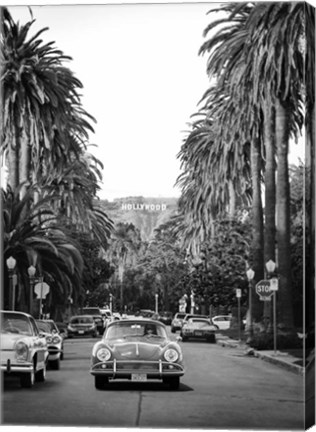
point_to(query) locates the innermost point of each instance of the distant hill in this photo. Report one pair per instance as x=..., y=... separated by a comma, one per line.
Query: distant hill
x=145, y=213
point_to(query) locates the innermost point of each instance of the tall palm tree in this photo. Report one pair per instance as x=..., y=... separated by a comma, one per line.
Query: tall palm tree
x=42, y=116
x=37, y=240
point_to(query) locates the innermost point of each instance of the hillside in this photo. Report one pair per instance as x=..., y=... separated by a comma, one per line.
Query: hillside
x=145, y=213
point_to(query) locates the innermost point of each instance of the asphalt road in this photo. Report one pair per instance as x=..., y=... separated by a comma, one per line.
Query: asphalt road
x=222, y=388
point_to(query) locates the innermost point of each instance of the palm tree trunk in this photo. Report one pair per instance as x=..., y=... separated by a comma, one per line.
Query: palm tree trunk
x=257, y=226
x=284, y=297
x=270, y=196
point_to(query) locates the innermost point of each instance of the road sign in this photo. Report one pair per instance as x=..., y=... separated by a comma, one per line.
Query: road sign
x=274, y=284
x=263, y=290
x=238, y=292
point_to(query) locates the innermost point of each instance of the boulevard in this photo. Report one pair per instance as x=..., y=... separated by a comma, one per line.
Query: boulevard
x=222, y=388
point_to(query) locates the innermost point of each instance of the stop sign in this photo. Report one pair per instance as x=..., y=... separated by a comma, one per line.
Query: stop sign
x=263, y=290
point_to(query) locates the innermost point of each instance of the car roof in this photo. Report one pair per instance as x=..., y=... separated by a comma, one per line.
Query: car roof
x=16, y=312
x=81, y=316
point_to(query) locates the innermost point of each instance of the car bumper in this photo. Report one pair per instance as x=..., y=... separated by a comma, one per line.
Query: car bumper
x=10, y=367
x=125, y=369
x=81, y=333
x=54, y=352
x=198, y=335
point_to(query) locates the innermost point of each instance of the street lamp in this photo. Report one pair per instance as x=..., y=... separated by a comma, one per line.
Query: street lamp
x=192, y=302
x=156, y=303
x=11, y=262
x=250, y=275
x=31, y=271
x=270, y=266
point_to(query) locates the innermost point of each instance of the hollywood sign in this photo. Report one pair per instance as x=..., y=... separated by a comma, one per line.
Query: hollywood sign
x=143, y=206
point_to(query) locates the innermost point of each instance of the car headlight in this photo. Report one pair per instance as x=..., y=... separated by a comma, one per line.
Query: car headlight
x=56, y=340
x=21, y=351
x=49, y=339
x=171, y=355
x=103, y=354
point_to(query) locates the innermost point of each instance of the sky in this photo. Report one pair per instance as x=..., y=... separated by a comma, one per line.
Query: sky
x=142, y=79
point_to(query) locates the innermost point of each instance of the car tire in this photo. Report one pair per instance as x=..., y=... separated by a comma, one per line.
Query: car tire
x=211, y=339
x=62, y=354
x=101, y=382
x=173, y=330
x=40, y=376
x=27, y=380
x=55, y=364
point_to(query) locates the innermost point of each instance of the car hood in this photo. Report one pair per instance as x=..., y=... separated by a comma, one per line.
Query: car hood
x=138, y=349
x=8, y=341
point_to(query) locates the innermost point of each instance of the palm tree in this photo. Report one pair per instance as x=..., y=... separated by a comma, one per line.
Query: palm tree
x=42, y=117
x=37, y=240
x=122, y=251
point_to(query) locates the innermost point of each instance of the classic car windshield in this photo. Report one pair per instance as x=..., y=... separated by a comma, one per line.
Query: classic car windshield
x=121, y=330
x=81, y=320
x=46, y=326
x=16, y=323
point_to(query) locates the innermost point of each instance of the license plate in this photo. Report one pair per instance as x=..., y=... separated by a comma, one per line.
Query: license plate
x=198, y=333
x=139, y=377
x=81, y=331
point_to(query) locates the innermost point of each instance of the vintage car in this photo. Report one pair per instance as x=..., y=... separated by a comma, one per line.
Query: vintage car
x=198, y=328
x=55, y=342
x=176, y=323
x=82, y=325
x=223, y=322
x=23, y=349
x=138, y=350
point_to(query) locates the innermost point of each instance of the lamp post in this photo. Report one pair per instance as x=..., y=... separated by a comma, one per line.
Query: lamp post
x=31, y=271
x=111, y=301
x=11, y=262
x=156, y=303
x=270, y=266
x=250, y=275
x=192, y=302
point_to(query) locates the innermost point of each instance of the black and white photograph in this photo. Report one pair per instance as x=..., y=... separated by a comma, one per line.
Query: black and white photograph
x=158, y=215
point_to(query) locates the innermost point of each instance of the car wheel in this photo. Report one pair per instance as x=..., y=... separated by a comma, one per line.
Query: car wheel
x=211, y=339
x=173, y=330
x=40, y=376
x=100, y=382
x=62, y=354
x=27, y=379
x=55, y=364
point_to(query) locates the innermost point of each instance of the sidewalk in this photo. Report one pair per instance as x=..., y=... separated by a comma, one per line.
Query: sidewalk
x=282, y=359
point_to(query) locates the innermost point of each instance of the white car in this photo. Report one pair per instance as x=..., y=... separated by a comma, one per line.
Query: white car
x=223, y=322
x=24, y=350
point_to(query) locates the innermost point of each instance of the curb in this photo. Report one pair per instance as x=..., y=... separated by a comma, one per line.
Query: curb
x=300, y=370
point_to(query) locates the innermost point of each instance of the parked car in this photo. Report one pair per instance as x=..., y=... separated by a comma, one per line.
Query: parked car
x=223, y=322
x=146, y=313
x=96, y=313
x=138, y=350
x=176, y=323
x=198, y=328
x=82, y=325
x=188, y=316
x=55, y=343
x=166, y=318
x=23, y=350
